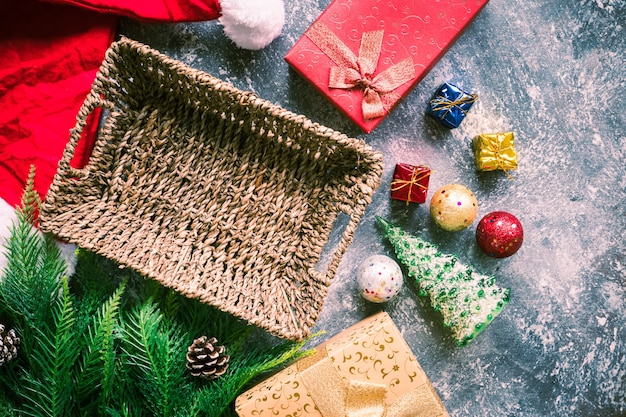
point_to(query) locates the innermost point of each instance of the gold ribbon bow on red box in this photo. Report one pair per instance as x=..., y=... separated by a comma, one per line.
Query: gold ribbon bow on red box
x=358, y=72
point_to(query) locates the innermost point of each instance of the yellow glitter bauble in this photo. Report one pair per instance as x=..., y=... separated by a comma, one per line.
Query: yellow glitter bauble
x=453, y=207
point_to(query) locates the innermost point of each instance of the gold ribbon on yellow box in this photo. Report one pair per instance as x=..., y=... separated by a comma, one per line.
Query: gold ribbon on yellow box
x=365, y=371
x=358, y=71
x=495, y=151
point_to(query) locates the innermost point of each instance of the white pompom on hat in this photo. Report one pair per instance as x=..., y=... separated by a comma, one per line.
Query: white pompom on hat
x=252, y=24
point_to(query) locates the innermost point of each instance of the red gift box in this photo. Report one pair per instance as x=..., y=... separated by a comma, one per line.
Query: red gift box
x=366, y=56
x=410, y=183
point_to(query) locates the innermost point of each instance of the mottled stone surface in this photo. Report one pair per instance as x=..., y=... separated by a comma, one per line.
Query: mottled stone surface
x=554, y=72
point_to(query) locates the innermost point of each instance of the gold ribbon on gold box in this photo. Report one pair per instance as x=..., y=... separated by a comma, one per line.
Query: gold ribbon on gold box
x=495, y=151
x=366, y=370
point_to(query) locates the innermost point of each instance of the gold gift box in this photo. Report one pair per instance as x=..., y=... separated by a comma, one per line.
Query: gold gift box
x=367, y=369
x=495, y=151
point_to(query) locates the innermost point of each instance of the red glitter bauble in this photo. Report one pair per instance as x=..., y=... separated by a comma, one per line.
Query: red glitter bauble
x=499, y=234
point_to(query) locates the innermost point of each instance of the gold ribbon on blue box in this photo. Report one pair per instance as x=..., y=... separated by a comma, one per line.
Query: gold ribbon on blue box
x=365, y=371
x=495, y=151
x=450, y=105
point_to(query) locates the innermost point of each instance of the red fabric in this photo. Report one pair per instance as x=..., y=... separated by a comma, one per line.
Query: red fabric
x=158, y=10
x=49, y=55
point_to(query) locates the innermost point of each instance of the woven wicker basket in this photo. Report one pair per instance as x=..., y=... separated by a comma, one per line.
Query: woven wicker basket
x=211, y=191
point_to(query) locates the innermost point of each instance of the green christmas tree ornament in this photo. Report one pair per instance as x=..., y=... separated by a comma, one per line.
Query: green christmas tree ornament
x=467, y=300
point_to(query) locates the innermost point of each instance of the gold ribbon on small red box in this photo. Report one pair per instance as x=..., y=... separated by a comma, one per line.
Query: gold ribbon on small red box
x=410, y=183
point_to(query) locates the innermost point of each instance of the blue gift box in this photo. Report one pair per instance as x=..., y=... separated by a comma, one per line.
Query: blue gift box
x=450, y=104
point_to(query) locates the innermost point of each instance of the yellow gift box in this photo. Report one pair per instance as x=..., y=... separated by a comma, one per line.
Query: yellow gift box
x=495, y=151
x=366, y=370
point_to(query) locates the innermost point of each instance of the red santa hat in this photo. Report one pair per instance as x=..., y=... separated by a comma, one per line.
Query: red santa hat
x=251, y=24
x=50, y=51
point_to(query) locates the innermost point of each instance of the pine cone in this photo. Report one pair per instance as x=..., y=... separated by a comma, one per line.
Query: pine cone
x=206, y=359
x=9, y=343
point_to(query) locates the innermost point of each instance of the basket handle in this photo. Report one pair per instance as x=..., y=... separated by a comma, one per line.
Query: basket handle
x=340, y=249
x=92, y=102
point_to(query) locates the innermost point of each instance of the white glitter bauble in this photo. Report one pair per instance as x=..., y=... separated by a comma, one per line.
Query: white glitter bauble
x=379, y=278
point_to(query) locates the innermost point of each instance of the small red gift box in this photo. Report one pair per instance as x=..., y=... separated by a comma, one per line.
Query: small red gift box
x=410, y=183
x=365, y=56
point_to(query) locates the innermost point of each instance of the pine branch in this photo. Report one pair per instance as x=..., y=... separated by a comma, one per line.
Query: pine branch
x=6, y=406
x=170, y=305
x=31, y=281
x=157, y=353
x=9, y=381
x=201, y=319
x=36, y=301
x=95, y=279
x=126, y=398
x=97, y=366
x=27, y=290
x=30, y=203
x=49, y=386
x=125, y=412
